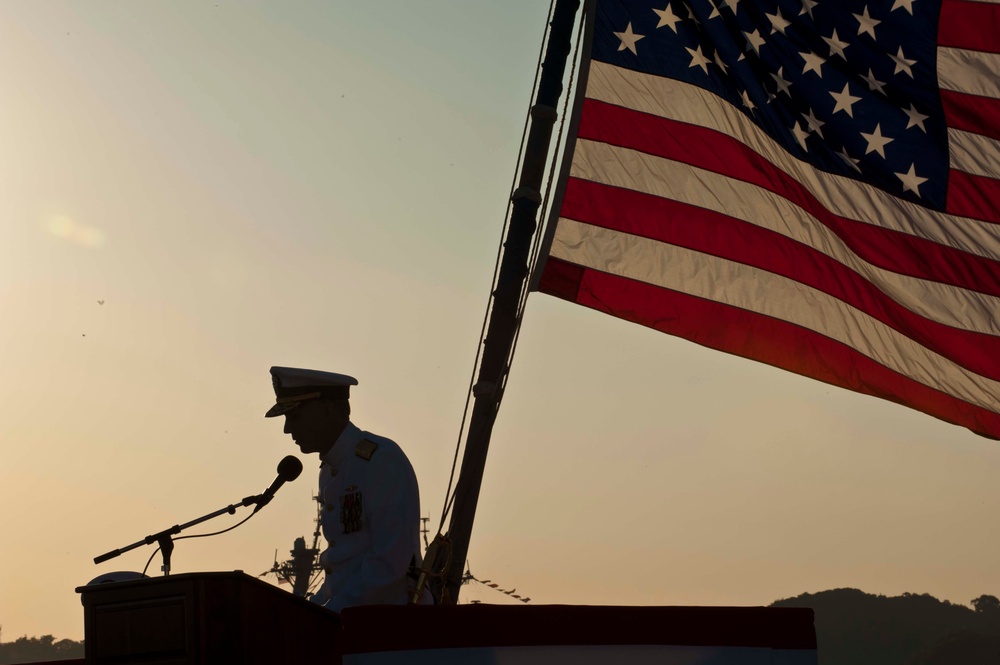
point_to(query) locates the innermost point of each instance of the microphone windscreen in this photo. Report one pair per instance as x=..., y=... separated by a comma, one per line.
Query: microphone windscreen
x=289, y=468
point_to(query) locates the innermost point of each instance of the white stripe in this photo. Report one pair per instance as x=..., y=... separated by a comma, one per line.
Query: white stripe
x=974, y=153
x=759, y=291
x=842, y=196
x=632, y=169
x=971, y=72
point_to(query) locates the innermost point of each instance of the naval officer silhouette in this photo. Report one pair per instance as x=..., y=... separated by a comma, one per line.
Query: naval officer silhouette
x=367, y=488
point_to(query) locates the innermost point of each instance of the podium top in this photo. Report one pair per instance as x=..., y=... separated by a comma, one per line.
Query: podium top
x=222, y=582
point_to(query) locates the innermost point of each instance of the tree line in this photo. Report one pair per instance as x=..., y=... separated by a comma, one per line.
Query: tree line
x=33, y=649
x=857, y=628
x=852, y=628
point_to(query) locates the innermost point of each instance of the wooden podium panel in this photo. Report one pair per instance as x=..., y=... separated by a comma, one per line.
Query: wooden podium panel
x=205, y=618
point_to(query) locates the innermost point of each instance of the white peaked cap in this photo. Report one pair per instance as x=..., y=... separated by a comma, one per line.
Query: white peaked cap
x=293, y=386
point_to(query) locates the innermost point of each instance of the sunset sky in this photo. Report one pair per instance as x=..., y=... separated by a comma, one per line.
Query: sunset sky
x=192, y=192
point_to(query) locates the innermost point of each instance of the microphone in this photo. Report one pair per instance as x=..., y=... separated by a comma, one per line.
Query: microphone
x=288, y=470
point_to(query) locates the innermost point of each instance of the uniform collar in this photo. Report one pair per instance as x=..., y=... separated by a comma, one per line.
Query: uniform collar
x=344, y=446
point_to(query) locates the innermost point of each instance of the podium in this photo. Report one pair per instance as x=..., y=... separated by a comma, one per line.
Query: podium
x=205, y=618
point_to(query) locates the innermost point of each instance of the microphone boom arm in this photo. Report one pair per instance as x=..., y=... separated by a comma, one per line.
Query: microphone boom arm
x=289, y=469
x=163, y=538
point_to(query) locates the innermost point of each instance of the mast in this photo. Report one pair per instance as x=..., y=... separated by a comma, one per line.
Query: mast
x=510, y=282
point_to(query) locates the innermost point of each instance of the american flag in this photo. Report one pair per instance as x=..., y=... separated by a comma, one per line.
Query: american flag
x=808, y=183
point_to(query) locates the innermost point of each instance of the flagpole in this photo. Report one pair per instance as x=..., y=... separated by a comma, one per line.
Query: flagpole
x=506, y=297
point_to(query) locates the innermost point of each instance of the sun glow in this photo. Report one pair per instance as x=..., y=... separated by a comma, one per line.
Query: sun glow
x=66, y=228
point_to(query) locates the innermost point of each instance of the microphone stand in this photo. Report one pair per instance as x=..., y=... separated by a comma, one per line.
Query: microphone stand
x=164, y=539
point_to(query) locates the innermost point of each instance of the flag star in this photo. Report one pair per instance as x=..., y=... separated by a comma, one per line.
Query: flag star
x=836, y=46
x=800, y=135
x=720, y=63
x=754, y=40
x=691, y=14
x=778, y=22
x=902, y=64
x=850, y=161
x=747, y=102
x=813, y=63
x=873, y=83
x=698, y=59
x=916, y=118
x=911, y=181
x=814, y=123
x=866, y=23
x=807, y=7
x=782, y=84
x=715, y=11
x=667, y=19
x=731, y=4
x=845, y=100
x=629, y=39
x=877, y=142
x=905, y=4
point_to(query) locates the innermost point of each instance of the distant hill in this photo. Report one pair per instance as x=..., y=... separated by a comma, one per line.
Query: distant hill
x=857, y=628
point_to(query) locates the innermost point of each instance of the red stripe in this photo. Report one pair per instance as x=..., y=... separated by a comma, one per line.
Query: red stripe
x=971, y=113
x=714, y=151
x=561, y=279
x=969, y=25
x=719, y=235
x=772, y=341
x=973, y=195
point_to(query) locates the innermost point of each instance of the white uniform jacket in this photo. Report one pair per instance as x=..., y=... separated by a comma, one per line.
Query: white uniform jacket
x=371, y=522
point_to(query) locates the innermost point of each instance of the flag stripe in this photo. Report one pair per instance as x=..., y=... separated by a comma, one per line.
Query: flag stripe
x=972, y=72
x=730, y=189
x=742, y=286
x=970, y=113
x=973, y=196
x=969, y=25
x=674, y=100
x=713, y=233
x=748, y=334
x=605, y=162
x=973, y=153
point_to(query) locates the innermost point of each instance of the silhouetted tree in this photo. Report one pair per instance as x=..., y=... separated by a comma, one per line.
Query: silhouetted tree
x=856, y=628
x=31, y=649
x=986, y=603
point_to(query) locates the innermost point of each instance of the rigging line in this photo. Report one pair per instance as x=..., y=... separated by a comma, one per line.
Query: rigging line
x=449, y=497
x=546, y=201
x=499, y=389
x=490, y=584
x=559, y=148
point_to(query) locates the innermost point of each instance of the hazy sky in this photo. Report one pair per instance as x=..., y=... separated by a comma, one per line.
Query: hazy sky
x=322, y=184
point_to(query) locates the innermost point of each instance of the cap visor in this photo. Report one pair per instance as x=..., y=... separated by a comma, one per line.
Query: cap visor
x=281, y=409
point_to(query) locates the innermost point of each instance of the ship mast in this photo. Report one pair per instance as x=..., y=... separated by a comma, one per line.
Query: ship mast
x=511, y=279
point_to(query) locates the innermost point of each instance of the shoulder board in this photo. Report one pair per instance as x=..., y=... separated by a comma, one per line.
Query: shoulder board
x=365, y=449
